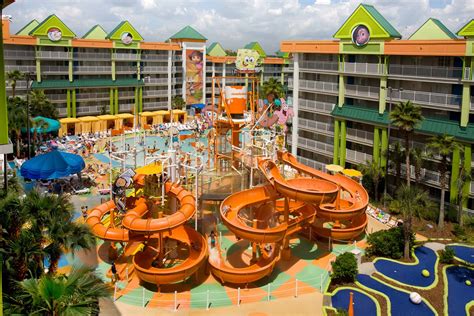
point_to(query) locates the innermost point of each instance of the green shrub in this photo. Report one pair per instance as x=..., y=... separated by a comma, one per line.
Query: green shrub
x=387, y=243
x=459, y=231
x=344, y=269
x=341, y=312
x=446, y=256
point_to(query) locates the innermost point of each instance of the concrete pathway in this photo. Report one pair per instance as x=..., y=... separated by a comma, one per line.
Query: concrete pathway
x=435, y=246
x=367, y=268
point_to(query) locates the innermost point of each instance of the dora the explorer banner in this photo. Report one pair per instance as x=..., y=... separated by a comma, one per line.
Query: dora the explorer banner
x=194, y=76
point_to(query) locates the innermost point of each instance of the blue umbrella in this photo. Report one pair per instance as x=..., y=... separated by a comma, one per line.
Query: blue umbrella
x=53, y=165
x=53, y=125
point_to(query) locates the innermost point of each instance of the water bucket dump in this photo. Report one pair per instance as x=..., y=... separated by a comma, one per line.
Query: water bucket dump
x=236, y=98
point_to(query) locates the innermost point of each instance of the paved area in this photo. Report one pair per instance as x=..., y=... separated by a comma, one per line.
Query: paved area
x=367, y=268
x=435, y=246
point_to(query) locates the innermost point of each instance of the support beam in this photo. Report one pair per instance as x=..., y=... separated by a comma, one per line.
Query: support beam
x=68, y=103
x=453, y=192
x=465, y=104
x=376, y=149
x=468, y=170
x=116, y=101
x=170, y=77
x=335, y=158
x=38, y=64
x=342, y=150
x=73, y=103
x=111, y=105
x=384, y=148
x=342, y=90
x=3, y=98
x=140, y=99
x=296, y=92
x=383, y=95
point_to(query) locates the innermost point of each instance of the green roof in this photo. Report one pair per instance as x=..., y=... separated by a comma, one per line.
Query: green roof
x=382, y=21
x=432, y=29
x=124, y=26
x=445, y=29
x=216, y=49
x=188, y=33
x=257, y=47
x=467, y=30
x=86, y=83
x=25, y=30
x=281, y=54
x=429, y=125
x=96, y=32
x=52, y=21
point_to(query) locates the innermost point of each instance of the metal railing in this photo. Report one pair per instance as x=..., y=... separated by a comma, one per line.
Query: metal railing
x=97, y=95
x=363, y=68
x=428, y=98
x=311, y=163
x=319, y=65
x=19, y=54
x=156, y=93
x=360, y=135
x=126, y=106
x=127, y=94
x=315, y=146
x=56, y=97
x=92, y=56
x=357, y=157
x=316, y=126
x=92, y=69
x=317, y=85
x=125, y=56
x=425, y=71
x=154, y=57
x=126, y=69
x=317, y=106
x=150, y=105
x=54, y=69
x=157, y=69
x=22, y=68
x=163, y=81
x=53, y=55
x=467, y=74
x=362, y=91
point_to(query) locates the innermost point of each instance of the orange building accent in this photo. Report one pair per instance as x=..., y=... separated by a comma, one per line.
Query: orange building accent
x=80, y=42
x=159, y=46
x=426, y=47
x=321, y=47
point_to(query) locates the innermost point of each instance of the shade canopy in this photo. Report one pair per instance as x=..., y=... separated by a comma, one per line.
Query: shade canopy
x=53, y=165
x=334, y=168
x=49, y=125
x=153, y=168
x=352, y=173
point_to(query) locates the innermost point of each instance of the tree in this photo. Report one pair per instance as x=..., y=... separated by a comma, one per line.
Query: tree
x=444, y=146
x=38, y=125
x=344, y=269
x=13, y=77
x=463, y=179
x=16, y=120
x=273, y=89
x=178, y=103
x=410, y=200
x=397, y=155
x=406, y=116
x=418, y=156
x=386, y=243
x=373, y=170
x=41, y=106
x=74, y=294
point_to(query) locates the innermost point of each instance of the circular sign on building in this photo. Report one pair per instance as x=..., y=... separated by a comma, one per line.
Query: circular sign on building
x=54, y=34
x=126, y=38
x=360, y=35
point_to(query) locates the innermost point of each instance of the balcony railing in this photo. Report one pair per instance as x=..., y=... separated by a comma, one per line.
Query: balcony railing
x=156, y=93
x=319, y=65
x=360, y=135
x=156, y=69
x=19, y=54
x=92, y=69
x=363, y=68
x=92, y=56
x=126, y=95
x=126, y=106
x=93, y=96
x=428, y=98
x=425, y=71
x=21, y=68
x=320, y=86
x=160, y=81
x=357, y=157
x=362, y=91
x=315, y=146
x=56, y=97
x=311, y=163
x=317, y=106
x=53, y=55
x=154, y=57
x=54, y=69
x=152, y=105
x=467, y=74
x=125, y=56
x=316, y=126
x=126, y=69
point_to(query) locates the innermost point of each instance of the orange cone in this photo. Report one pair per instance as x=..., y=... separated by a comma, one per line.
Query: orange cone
x=350, y=310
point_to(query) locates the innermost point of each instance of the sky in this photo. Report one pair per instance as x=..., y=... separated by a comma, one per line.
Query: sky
x=234, y=23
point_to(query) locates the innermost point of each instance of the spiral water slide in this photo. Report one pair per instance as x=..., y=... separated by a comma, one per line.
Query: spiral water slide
x=350, y=206
x=136, y=227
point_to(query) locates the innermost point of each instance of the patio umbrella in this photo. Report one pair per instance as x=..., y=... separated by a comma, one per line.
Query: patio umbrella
x=334, y=168
x=352, y=173
x=53, y=165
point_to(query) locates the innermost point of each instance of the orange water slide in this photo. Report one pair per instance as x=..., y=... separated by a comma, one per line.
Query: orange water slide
x=94, y=220
x=143, y=261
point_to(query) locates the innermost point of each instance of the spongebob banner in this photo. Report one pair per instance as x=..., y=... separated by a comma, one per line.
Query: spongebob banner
x=247, y=61
x=194, y=76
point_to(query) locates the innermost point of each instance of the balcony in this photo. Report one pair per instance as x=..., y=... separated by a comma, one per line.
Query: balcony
x=93, y=96
x=427, y=176
x=21, y=68
x=126, y=107
x=57, y=97
x=54, y=69
x=53, y=55
x=315, y=126
x=126, y=95
x=319, y=86
x=330, y=66
x=316, y=106
x=92, y=56
x=363, y=68
x=92, y=69
x=311, y=163
x=159, y=81
x=156, y=69
x=288, y=69
x=89, y=109
x=429, y=98
x=125, y=69
x=425, y=71
x=151, y=105
x=19, y=54
x=155, y=93
x=360, y=136
x=154, y=57
x=362, y=91
x=125, y=56
x=357, y=157
x=315, y=146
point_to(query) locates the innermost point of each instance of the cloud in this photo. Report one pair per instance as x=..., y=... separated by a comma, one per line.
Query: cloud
x=234, y=23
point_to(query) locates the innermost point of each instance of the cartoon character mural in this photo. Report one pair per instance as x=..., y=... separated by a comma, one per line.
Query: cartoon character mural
x=194, y=76
x=119, y=188
x=280, y=115
x=247, y=60
x=209, y=114
x=360, y=35
x=284, y=114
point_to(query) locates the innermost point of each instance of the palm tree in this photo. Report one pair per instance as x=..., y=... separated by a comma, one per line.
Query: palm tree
x=17, y=119
x=38, y=125
x=397, y=155
x=373, y=170
x=176, y=104
x=410, y=200
x=273, y=89
x=444, y=146
x=418, y=156
x=463, y=179
x=406, y=116
x=41, y=106
x=75, y=294
x=13, y=77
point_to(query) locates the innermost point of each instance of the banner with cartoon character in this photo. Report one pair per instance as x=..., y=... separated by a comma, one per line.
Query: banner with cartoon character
x=194, y=76
x=247, y=61
x=272, y=113
x=209, y=114
x=119, y=188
